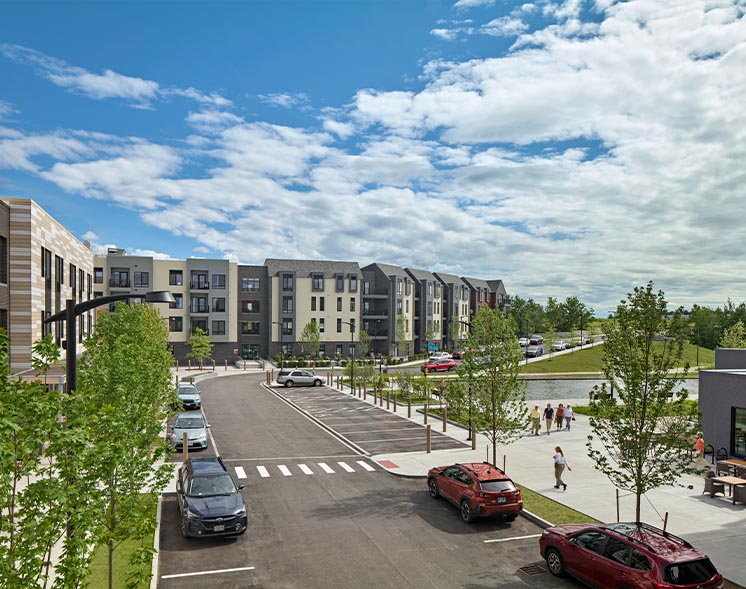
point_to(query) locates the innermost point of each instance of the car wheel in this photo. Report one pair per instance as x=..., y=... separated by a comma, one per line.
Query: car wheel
x=288, y=383
x=317, y=382
x=510, y=518
x=433, y=487
x=555, y=564
x=466, y=513
x=184, y=529
x=450, y=368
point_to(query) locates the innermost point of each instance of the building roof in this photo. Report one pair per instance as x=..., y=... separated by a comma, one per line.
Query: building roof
x=449, y=278
x=308, y=267
x=421, y=274
x=388, y=269
x=476, y=282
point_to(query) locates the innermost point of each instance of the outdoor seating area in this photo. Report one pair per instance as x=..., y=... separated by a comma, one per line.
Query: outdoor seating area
x=729, y=483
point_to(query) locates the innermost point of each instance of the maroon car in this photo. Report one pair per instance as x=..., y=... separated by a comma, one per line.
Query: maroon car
x=637, y=556
x=445, y=365
x=478, y=489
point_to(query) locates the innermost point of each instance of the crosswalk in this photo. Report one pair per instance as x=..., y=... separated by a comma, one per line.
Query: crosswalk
x=286, y=470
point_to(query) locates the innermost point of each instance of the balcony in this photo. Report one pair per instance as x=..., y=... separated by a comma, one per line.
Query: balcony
x=199, y=285
x=119, y=282
x=204, y=308
x=375, y=313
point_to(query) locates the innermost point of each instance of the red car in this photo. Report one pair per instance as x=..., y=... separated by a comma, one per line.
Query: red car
x=638, y=556
x=445, y=365
x=479, y=489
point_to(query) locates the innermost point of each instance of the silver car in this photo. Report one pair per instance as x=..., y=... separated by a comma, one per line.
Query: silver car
x=189, y=396
x=194, y=425
x=297, y=377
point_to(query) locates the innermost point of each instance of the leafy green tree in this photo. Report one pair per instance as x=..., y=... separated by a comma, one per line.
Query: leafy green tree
x=44, y=354
x=454, y=333
x=490, y=368
x=200, y=346
x=645, y=441
x=363, y=343
x=553, y=314
x=734, y=336
x=402, y=334
x=310, y=339
x=126, y=387
x=432, y=334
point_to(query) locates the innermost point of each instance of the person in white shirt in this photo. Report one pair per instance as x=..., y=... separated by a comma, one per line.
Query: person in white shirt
x=559, y=466
x=568, y=415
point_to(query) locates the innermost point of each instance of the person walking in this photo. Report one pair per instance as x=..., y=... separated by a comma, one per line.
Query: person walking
x=549, y=417
x=569, y=415
x=560, y=416
x=559, y=466
x=699, y=449
x=535, y=420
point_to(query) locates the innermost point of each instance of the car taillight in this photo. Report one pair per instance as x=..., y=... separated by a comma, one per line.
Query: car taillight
x=481, y=494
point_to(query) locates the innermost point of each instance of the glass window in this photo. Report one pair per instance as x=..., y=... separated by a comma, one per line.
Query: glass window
x=200, y=281
x=739, y=431
x=638, y=560
x=199, y=305
x=339, y=303
x=287, y=326
x=250, y=306
x=340, y=282
x=200, y=324
x=313, y=303
x=617, y=551
x=593, y=541
x=429, y=289
x=318, y=281
x=218, y=280
x=249, y=327
x=338, y=350
x=353, y=283
x=73, y=275
x=218, y=328
x=287, y=282
x=352, y=304
x=287, y=304
x=98, y=275
x=339, y=326
x=366, y=287
x=250, y=284
x=176, y=324
x=178, y=302
x=142, y=279
x=218, y=304
x=321, y=325
x=175, y=277
x=398, y=286
x=321, y=303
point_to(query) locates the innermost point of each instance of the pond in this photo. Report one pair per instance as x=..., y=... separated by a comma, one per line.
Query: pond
x=578, y=389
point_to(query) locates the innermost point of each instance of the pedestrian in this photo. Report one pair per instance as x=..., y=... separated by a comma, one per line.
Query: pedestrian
x=559, y=466
x=560, y=416
x=535, y=420
x=549, y=417
x=699, y=449
x=569, y=415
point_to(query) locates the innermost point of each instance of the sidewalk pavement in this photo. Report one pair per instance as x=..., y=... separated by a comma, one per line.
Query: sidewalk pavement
x=713, y=525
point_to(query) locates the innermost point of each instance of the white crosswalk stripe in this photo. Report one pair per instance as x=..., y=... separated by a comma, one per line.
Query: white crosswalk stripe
x=263, y=472
x=326, y=468
x=304, y=469
x=284, y=470
x=240, y=472
x=287, y=471
x=366, y=466
x=346, y=466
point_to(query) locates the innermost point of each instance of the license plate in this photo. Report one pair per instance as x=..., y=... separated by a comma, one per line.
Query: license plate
x=219, y=528
x=501, y=499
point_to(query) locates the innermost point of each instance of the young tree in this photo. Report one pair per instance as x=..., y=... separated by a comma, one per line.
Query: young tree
x=310, y=340
x=200, y=346
x=363, y=343
x=490, y=368
x=454, y=333
x=125, y=382
x=432, y=335
x=402, y=334
x=734, y=336
x=645, y=441
x=45, y=353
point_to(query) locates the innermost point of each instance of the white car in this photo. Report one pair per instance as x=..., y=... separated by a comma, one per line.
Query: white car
x=523, y=342
x=439, y=356
x=559, y=346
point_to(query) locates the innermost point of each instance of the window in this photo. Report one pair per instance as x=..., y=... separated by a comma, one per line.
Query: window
x=178, y=302
x=120, y=279
x=218, y=304
x=339, y=326
x=617, y=551
x=199, y=305
x=409, y=287
x=398, y=286
x=313, y=303
x=250, y=306
x=176, y=324
x=593, y=541
x=98, y=275
x=321, y=325
x=738, y=431
x=59, y=272
x=317, y=281
x=142, y=279
x=200, y=281
x=366, y=288
x=175, y=277
x=287, y=282
x=249, y=327
x=437, y=290
x=339, y=303
x=250, y=284
x=340, y=280
x=287, y=304
x=429, y=289
x=352, y=304
x=199, y=324
x=398, y=307
x=218, y=281
x=218, y=328
x=322, y=350
x=429, y=308
x=73, y=276
x=321, y=303
x=338, y=350
x=81, y=282
x=353, y=283
x=287, y=326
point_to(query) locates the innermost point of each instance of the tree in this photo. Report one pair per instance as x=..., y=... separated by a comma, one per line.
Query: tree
x=645, y=441
x=454, y=332
x=200, y=346
x=490, y=368
x=126, y=387
x=402, y=333
x=45, y=353
x=310, y=339
x=363, y=343
x=432, y=334
x=734, y=336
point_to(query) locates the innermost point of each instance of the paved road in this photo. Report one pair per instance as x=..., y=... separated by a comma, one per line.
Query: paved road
x=344, y=524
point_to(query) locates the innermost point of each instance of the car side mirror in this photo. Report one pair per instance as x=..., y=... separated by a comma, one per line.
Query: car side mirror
x=207, y=425
x=241, y=487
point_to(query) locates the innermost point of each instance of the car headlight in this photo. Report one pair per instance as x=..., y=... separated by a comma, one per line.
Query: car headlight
x=201, y=437
x=191, y=515
x=241, y=512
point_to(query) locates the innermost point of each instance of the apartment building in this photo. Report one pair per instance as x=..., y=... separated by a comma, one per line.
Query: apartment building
x=253, y=312
x=389, y=304
x=498, y=295
x=479, y=293
x=457, y=309
x=43, y=265
x=428, y=317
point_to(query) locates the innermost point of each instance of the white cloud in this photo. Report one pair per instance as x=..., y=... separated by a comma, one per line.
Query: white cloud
x=445, y=34
x=90, y=236
x=467, y=4
x=212, y=121
x=284, y=100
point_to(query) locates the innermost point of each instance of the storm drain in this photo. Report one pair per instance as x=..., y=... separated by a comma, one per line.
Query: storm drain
x=533, y=569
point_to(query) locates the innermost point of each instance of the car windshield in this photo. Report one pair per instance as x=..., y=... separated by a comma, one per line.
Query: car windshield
x=685, y=573
x=189, y=423
x=211, y=486
x=502, y=485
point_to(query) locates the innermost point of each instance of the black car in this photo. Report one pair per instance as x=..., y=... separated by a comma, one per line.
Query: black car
x=209, y=500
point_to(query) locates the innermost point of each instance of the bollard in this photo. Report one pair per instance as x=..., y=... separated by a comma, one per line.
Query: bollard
x=394, y=402
x=429, y=443
x=213, y=365
x=388, y=400
x=177, y=380
x=424, y=413
x=177, y=366
x=488, y=453
x=445, y=412
x=189, y=367
x=504, y=458
x=226, y=364
x=409, y=408
x=191, y=380
x=244, y=365
x=185, y=445
x=474, y=437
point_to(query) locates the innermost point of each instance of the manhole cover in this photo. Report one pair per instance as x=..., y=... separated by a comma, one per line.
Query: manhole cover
x=533, y=569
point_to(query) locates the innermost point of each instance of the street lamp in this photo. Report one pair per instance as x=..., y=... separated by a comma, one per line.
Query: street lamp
x=352, y=357
x=72, y=311
x=375, y=338
x=282, y=349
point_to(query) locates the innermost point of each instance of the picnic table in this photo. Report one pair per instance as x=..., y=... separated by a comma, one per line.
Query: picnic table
x=731, y=465
x=731, y=482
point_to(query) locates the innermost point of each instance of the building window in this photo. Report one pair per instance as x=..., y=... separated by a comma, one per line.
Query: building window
x=176, y=324
x=339, y=303
x=398, y=307
x=321, y=303
x=738, y=431
x=218, y=305
x=199, y=305
x=218, y=280
x=321, y=325
x=317, y=281
x=199, y=324
x=142, y=279
x=429, y=289
x=250, y=306
x=120, y=279
x=437, y=291
x=366, y=287
x=200, y=281
x=178, y=302
x=352, y=304
x=353, y=283
x=398, y=286
x=322, y=350
x=338, y=350
x=249, y=327
x=81, y=282
x=339, y=326
x=98, y=275
x=340, y=280
x=218, y=328
x=250, y=284
x=409, y=287
x=287, y=326
x=287, y=304
x=429, y=308
x=175, y=277
x=313, y=303
x=287, y=282
x=73, y=277
x=59, y=272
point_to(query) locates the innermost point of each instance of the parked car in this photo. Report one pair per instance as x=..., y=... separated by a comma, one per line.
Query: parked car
x=210, y=503
x=638, y=556
x=560, y=345
x=536, y=340
x=435, y=356
x=195, y=425
x=445, y=365
x=457, y=354
x=523, y=342
x=190, y=398
x=291, y=378
x=478, y=489
x=534, y=351
x=187, y=387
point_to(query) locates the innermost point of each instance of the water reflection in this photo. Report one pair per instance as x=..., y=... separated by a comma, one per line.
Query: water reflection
x=579, y=389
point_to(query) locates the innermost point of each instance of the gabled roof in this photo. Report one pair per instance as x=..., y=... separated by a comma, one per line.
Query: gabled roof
x=308, y=267
x=449, y=278
x=476, y=282
x=388, y=269
x=421, y=274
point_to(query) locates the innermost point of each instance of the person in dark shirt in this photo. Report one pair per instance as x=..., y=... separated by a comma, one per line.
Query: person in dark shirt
x=549, y=417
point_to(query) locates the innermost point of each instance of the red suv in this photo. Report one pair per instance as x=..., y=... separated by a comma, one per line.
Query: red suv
x=638, y=556
x=444, y=365
x=479, y=489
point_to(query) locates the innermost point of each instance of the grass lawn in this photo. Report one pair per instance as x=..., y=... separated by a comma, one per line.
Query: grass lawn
x=551, y=511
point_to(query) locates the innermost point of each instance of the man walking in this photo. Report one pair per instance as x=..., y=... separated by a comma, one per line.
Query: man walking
x=549, y=417
x=535, y=420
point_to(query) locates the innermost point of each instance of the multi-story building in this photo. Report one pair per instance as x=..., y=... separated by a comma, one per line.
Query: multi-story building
x=479, y=293
x=389, y=299
x=498, y=295
x=457, y=309
x=428, y=317
x=253, y=312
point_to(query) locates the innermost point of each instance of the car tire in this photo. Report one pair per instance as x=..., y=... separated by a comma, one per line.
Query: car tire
x=450, y=368
x=510, y=518
x=317, y=382
x=184, y=531
x=288, y=383
x=555, y=563
x=466, y=512
x=433, y=488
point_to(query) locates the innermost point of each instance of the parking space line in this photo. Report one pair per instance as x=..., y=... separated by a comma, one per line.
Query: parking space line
x=420, y=437
x=365, y=465
x=510, y=539
x=375, y=431
x=284, y=470
x=326, y=468
x=240, y=472
x=263, y=472
x=346, y=466
x=304, y=469
x=215, y=572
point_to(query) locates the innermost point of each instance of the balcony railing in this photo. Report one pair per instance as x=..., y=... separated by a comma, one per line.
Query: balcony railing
x=199, y=285
x=199, y=308
x=119, y=282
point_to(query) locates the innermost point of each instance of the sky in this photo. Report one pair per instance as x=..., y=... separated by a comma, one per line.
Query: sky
x=568, y=148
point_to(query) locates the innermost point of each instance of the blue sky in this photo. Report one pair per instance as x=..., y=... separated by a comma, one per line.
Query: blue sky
x=570, y=147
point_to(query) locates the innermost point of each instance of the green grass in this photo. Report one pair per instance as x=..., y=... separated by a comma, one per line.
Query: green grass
x=551, y=511
x=691, y=405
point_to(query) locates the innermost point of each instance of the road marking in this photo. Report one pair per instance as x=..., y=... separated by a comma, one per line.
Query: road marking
x=216, y=572
x=240, y=472
x=284, y=470
x=346, y=466
x=366, y=466
x=516, y=538
x=263, y=472
x=325, y=467
x=305, y=469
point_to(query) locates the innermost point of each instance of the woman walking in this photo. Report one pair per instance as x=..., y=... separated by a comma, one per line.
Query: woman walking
x=559, y=466
x=569, y=415
x=560, y=416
